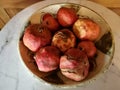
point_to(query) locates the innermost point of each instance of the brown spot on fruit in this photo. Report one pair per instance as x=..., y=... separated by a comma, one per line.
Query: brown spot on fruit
x=64, y=39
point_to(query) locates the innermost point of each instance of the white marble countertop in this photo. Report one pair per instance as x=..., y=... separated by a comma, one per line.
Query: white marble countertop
x=14, y=75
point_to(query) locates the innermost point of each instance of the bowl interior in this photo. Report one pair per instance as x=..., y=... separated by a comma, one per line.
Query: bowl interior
x=104, y=44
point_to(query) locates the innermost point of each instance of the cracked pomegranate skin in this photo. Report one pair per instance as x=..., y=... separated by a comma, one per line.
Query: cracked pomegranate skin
x=74, y=64
x=36, y=36
x=47, y=58
x=86, y=29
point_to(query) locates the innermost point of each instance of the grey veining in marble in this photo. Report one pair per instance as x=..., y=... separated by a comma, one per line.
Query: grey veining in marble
x=15, y=76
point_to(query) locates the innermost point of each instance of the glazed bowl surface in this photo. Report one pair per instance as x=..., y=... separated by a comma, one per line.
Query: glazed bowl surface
x=104, y=43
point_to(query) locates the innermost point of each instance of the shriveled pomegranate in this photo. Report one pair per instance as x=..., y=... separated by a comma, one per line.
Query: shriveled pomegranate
x=47, y=58
x=50, y=22
x=64, y=39
x=66, y=16
x=36, y=36
x=88, y=47
x=46, y=15
x=74, y=64
x=86, y=29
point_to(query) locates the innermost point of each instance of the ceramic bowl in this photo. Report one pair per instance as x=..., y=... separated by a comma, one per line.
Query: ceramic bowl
x=104, y=44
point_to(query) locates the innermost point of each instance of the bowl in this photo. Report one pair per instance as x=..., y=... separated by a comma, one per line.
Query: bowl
x=104, y=43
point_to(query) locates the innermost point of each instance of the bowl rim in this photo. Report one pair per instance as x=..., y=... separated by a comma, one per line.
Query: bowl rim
x=101, y=72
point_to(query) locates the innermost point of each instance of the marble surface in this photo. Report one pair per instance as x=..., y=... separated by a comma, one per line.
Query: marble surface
x=15, y=76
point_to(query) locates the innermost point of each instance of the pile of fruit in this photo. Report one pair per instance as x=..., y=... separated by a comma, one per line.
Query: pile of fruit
x=63, y=41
